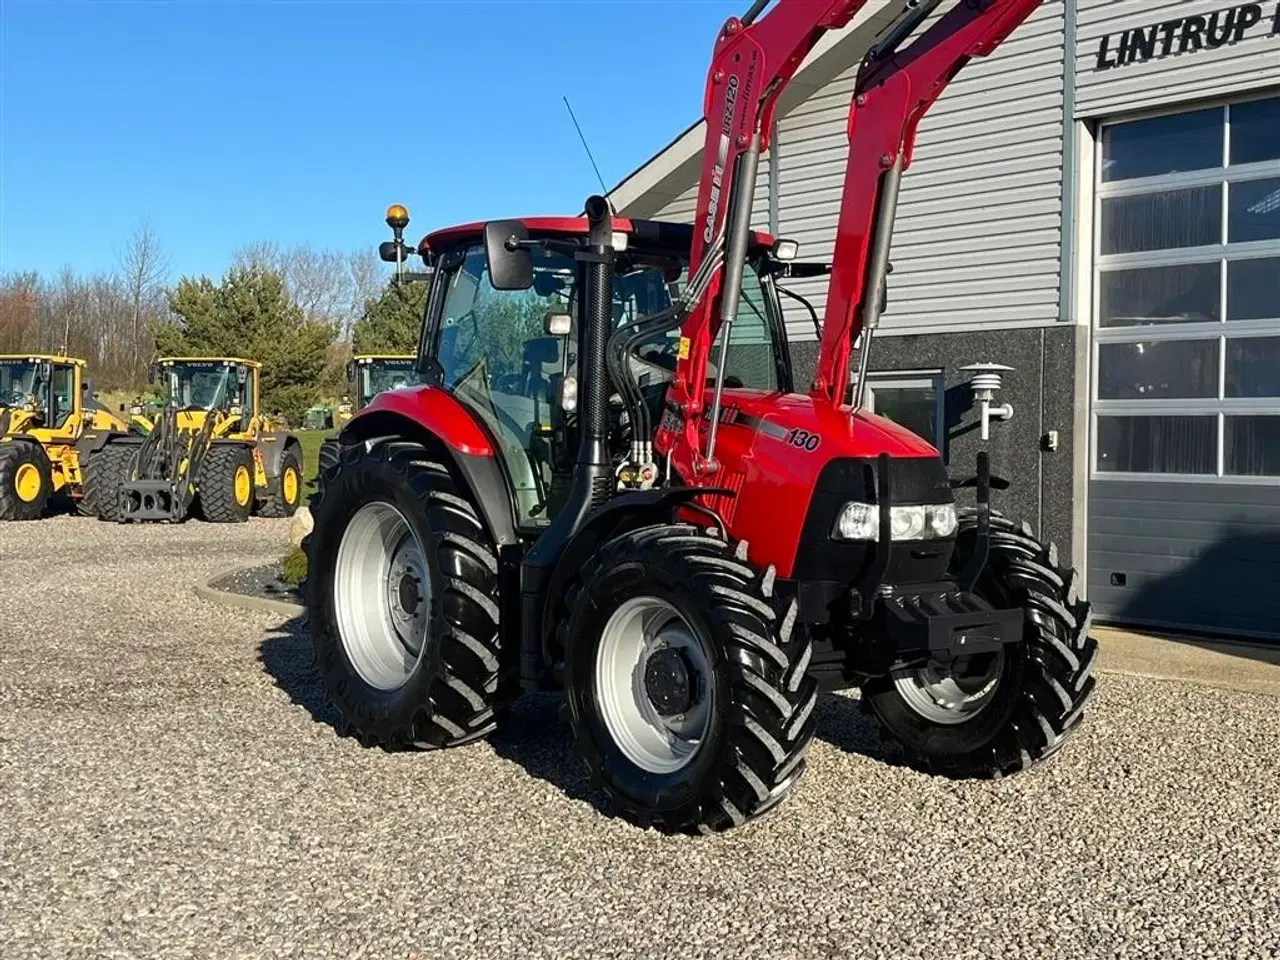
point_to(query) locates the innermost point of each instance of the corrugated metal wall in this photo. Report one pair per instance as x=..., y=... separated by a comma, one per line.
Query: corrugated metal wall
x=976, y=240
x=976, y=237
x=1250, y=63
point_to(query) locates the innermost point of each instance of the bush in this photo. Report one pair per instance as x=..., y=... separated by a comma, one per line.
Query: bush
x=293, y=568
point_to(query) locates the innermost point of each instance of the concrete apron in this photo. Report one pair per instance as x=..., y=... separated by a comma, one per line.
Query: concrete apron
x=1249, y=668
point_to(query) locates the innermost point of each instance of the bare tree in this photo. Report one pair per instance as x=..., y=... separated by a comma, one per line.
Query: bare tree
x=331, y=287
x=368, y=278
x=144, y=269
x=19, y=303
x=319, y=282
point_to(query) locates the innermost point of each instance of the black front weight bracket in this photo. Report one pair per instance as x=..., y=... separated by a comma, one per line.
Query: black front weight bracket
x=942, y=621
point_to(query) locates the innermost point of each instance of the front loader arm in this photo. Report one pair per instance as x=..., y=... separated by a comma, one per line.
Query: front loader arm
x=890, y=97
x=753, y=62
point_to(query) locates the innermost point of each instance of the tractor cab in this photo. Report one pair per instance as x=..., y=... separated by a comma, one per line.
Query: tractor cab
x=510, y=355
x=199, y=388
x=49, y=396
x=39, y=392
x=50, y=424
x=371, y=374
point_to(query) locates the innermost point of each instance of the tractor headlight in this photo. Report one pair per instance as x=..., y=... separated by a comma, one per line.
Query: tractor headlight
x=942, y=520
x=858, y=521
x=906, y=523
x=861, y=521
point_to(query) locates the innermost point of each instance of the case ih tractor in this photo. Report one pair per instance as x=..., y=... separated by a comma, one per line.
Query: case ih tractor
x=50, y=429
x=211, y=451
x=609, y=485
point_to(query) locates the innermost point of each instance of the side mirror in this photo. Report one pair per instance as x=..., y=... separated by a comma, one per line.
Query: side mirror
x=510, y=265
x=153, y=373
x=387, y=251
x=122, y=408
x=351, y=370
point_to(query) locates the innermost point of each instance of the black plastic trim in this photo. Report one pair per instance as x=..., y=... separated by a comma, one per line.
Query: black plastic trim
x=823, y=559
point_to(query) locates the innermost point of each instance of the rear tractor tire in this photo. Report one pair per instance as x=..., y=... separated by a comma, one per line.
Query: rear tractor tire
x=402, y=602
x=26, y=480
x=286, y=490
x=685, y=681
x=991, y=715
x=226, y=487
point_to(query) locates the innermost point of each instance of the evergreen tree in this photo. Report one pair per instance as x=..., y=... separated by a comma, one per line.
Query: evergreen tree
x=251, y=315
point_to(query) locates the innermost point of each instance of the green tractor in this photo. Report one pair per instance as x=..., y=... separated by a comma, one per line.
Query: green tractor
x=318, y=417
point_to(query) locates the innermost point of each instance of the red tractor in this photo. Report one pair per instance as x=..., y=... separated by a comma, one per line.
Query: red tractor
x=608, y=485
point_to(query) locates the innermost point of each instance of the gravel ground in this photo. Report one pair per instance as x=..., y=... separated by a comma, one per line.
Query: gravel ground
x=171, y=787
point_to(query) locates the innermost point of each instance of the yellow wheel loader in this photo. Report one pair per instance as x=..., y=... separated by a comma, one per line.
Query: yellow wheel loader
x=210, y=452
x=369, y=374
x=51, y=429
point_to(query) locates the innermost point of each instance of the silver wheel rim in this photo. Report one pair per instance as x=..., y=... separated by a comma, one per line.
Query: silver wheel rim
x=639, y=630
x=382, y=596
x=955, y=694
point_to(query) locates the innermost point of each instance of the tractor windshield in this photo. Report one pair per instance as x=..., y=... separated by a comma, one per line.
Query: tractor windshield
x=502, y=355
x=384, y=374
x=18, y=382
x=201, y=386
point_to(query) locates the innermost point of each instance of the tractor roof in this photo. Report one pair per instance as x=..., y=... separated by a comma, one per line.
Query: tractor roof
x=362, y=357
x=662, y=233
x=229, y=361
x=51, y=357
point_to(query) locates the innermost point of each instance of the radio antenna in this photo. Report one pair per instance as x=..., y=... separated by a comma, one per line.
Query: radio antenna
x=604, y=191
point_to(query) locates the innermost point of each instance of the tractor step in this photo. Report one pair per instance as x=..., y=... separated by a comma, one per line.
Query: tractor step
x=151, y=500
x=945, y=622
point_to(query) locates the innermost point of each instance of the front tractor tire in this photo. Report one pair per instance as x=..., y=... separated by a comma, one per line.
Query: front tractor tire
x=26, y=480
x=402, y=602
x=226, y=487
x=991, y=715
x=686, y=683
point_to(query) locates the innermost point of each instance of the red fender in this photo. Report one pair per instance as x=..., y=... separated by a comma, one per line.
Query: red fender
x=437, y=412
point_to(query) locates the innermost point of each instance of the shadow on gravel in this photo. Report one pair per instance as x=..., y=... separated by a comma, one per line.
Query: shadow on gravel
x=844, y=724
x=533, y=735
x=285, y=653
x=537, y=739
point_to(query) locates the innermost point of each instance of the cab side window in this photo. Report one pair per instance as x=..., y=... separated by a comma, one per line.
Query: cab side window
x=64, y=382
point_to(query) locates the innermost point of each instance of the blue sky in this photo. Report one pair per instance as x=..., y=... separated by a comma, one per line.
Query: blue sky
x=226, y=123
